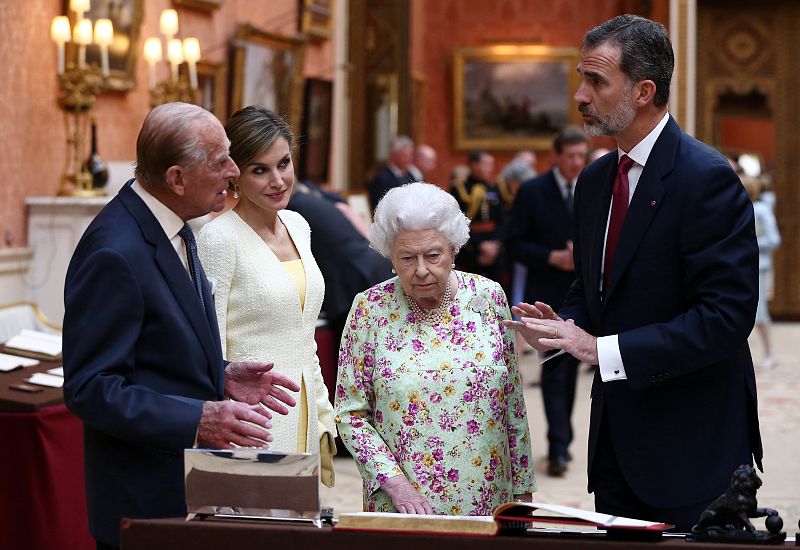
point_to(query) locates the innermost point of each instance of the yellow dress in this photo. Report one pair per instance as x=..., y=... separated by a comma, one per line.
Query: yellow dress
x=298, y=274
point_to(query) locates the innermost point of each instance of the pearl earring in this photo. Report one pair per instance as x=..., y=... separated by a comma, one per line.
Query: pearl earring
x=235, y=186
x=452, y=266
x=394, y=272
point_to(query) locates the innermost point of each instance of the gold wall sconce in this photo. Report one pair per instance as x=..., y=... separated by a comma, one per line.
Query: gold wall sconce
x=176, y=87
x=78, y=85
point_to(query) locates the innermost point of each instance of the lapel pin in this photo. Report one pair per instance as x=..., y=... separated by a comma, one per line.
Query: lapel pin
x=652, y=203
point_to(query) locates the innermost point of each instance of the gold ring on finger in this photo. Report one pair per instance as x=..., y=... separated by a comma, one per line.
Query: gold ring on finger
x=556, y=336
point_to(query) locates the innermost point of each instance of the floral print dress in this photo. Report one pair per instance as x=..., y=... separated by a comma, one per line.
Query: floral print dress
x=439, y=404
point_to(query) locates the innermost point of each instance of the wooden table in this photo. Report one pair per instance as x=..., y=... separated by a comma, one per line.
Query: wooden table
x=168, y=534
x=43, y=497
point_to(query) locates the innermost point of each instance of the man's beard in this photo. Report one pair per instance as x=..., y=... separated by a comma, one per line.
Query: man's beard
x=614, y=122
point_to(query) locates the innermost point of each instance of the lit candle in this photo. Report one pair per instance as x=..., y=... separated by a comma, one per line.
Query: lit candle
x=82, y=35
x=152, y=54
x=191, y=53
x=104, y=37
x=60, y=33
x=80, y=7
x=169, y=23
x=174, y=55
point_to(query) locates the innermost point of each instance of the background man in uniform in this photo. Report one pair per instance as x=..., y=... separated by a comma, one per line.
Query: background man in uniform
x=480, y=199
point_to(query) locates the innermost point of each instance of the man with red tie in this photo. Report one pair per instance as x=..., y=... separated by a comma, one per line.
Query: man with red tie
x=666, y=266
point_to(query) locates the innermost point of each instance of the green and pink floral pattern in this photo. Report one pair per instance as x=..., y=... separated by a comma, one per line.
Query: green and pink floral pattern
x=439, y=404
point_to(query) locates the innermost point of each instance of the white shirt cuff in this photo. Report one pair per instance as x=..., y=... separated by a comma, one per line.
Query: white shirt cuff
x=610, y=359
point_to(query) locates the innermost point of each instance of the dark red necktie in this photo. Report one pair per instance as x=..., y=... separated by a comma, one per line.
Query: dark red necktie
x=619, y=207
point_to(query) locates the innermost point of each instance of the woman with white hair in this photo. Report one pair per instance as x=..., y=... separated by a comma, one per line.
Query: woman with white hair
x=429, y=399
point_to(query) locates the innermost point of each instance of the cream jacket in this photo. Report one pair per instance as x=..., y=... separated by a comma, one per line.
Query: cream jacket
x=259, y=315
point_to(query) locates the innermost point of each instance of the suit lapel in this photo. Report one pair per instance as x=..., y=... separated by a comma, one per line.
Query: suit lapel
x=176, y=277
x=645, y=202
x=562, y=216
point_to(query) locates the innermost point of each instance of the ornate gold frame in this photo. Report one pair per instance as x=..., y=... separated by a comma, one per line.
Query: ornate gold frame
x=316, y=19
x=204, y=5
x=119, y=80
x=247, y=35
x=510, y=53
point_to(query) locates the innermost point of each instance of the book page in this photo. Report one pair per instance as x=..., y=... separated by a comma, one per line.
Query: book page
x=43, y=379
x=10, y=362
x=596, y=518
x=35, y=344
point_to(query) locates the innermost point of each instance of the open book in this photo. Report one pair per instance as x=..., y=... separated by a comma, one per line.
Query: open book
x=35, y=344
x=506, y=518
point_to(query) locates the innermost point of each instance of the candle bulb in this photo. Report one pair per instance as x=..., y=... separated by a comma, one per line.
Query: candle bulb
x=174, y=55
x=152, y=54
x=82, y=35
x=60, y=33
x=80, y=7
x=169, y=23
x=104, y=37
x=191, y=53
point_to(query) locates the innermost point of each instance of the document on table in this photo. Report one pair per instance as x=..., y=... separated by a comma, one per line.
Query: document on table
x=35, y=341
x=58, y=371
x=44, y=379
x=11, y=362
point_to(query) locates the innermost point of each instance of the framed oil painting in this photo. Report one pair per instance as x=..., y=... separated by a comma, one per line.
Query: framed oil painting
x=126, y=17
x=315, y=136
x=513, y=97
x=268, y=71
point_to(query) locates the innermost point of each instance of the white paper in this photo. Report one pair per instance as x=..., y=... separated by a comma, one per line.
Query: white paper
x=595, y=517
x=49, y=336
x=10, y=362
x=58, y=371
x=38, y=342
x=43, y=379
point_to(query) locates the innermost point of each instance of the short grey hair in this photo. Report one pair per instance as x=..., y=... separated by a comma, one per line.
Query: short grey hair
x=416, y=206
x=400, y=142
x=170, y=136
x=517, y=170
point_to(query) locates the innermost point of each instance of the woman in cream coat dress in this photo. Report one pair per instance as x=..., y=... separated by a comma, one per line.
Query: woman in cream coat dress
x=267, y=288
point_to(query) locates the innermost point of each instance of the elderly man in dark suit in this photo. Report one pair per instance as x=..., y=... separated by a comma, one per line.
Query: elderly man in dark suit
x=142, y=358
x=666, y=266
x=539, y=238
x=398, y=170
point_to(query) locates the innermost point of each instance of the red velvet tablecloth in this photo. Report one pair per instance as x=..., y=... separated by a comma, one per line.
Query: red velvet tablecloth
x=42, y=493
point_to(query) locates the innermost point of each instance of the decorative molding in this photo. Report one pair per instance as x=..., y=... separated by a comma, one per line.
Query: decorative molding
x=15, y=260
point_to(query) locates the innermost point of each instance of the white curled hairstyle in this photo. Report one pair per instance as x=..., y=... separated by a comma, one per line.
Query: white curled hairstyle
x=416, y=206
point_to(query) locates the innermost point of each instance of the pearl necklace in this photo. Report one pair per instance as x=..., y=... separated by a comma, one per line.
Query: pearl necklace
x=431, y=316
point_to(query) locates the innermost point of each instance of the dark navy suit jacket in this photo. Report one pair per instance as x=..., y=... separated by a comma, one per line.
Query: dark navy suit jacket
x=141, y=355
x=682, y=298
x=540, y=223
x=384, y=180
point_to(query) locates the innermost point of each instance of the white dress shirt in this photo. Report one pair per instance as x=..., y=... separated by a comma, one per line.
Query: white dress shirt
x=169, y=221
x=608, y=354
